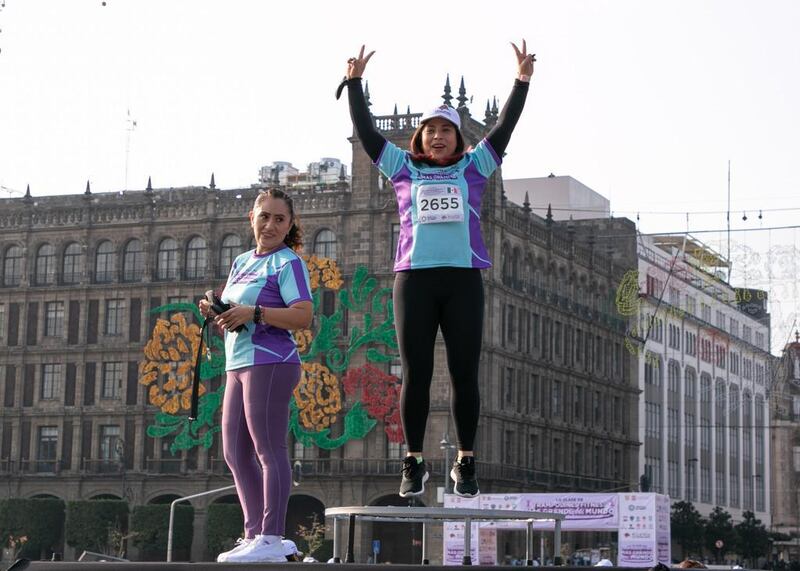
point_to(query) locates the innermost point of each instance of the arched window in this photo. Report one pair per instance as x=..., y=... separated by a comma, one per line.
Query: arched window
x=515, y=269
x=196, y=258
x=747, y=446
x=45, y=265
x=734, y=435
x=133, y=261
x=12, y=266
x=604, y=299
x=674, y=377
x=538, y=279
x=167, y=266
x=71, y=272
x=104, y=262
x=325, y=244
x=528, y=275
x=720, y=405
x=231, y=247
x=505, y=260
x=690, y=383
x=747, y=417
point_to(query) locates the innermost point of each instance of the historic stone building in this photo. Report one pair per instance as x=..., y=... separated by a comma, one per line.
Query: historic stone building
x=81, y=273
x=785, y=451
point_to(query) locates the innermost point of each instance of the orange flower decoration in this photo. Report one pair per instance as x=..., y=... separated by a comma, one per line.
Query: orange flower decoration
x=323, y=271
x=303, y=339
x=168, y=365
x=318, y=397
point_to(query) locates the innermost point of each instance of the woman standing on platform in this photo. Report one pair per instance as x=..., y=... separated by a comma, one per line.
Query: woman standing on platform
x=269, y=294
x=439, y=256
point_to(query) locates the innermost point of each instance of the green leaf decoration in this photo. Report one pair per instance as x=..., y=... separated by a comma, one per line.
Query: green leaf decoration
x=160, y=431
x=375, y=356
x=357, y=423
x=360, y=290
x=199, y=432
x=369, y=305
x=180, y=306
x=326, y=337
x=381, y=306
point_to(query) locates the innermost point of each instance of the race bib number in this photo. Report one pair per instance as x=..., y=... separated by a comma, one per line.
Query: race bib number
x=439, y=203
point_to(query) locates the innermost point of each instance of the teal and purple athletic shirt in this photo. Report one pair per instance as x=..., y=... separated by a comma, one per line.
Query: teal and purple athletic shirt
x=276, y=279
x=439, y=207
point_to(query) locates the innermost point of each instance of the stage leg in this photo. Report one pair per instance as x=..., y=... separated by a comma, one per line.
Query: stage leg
x=467, y=559
x=529, y=544
x=336, y=557
x=351, y=539
x=425, y=543
x=557, y=543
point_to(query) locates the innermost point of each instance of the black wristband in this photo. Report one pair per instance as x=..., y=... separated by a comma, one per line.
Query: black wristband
x=257, y=315
x=343, y=83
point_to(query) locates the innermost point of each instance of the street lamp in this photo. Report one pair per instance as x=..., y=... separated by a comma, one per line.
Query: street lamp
x=119, y=451
x=444, y=444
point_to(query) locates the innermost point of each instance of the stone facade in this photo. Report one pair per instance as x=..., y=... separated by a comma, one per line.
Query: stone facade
x=785, y=450
x=80, y=274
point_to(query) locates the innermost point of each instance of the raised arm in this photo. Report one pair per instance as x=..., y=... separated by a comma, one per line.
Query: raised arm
x=370, y=137
x=500, y=134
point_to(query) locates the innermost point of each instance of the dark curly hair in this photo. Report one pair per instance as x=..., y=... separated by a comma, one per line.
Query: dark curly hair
x=294, y=239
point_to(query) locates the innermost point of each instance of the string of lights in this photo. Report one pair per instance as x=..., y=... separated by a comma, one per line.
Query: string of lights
x=664, y=212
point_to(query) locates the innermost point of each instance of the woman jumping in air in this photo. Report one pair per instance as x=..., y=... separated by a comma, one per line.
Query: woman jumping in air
x=439, y=184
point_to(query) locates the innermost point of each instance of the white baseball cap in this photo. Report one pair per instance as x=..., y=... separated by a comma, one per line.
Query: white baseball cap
x=445, y=112
x=289, y=547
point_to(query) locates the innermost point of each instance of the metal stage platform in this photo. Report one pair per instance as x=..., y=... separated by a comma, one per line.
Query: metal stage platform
x=208, y=566
x=350, y=514
x=438, y=515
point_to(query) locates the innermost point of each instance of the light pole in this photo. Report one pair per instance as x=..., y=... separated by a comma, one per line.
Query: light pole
x=119, y=451
x=445, y=445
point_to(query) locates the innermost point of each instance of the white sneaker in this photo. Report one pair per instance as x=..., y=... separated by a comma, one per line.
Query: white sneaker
x=241, y=543
x=264, y=548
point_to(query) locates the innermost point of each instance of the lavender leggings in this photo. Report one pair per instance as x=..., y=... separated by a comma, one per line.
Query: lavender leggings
x=255, y=420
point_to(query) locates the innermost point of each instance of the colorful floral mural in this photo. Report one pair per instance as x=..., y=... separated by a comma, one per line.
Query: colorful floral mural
x=167, y=370
x=327, y=382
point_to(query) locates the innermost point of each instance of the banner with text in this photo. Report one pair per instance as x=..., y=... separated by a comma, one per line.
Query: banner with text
x=642, y=521
x=637, y=531
x=453, y=540
x=595, y=512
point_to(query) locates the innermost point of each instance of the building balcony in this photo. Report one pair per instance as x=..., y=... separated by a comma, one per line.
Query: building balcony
x=166, y=466
x=218, y=466
x=30, y=467
x=101, y=466
x=487, y=472
x=40, y=466
x=354, y=467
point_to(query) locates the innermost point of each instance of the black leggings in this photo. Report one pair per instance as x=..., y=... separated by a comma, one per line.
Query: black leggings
x=424, y=300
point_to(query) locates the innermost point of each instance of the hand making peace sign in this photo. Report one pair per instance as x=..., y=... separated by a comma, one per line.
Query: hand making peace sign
x=524, y=61
x=356, y=65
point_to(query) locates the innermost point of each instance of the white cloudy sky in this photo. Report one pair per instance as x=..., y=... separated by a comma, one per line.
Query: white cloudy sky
x=644, y=101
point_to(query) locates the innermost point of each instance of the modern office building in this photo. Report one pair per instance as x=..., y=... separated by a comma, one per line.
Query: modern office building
x=705, y=372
